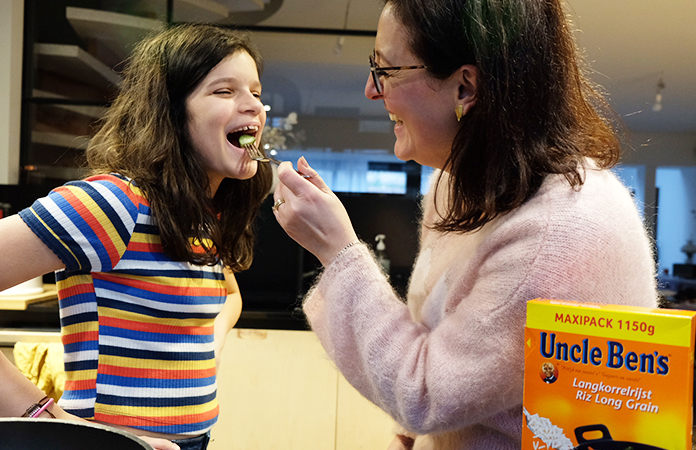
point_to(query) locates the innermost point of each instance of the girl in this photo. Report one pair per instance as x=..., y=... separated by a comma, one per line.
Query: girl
x=145, y=249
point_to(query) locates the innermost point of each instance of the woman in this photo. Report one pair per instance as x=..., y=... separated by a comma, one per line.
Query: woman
x=490, y=93
x=145, y=249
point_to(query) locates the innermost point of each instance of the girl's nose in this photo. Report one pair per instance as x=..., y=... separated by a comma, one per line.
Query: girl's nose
x=253, y=104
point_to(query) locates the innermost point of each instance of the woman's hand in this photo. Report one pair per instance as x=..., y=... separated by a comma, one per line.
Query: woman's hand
x=401, y=442
x=311, y=213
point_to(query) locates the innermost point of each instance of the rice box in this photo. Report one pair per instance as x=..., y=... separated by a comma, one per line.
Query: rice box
x=607, y=377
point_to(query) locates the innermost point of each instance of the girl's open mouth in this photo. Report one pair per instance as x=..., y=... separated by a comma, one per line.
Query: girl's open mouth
x=234, y=136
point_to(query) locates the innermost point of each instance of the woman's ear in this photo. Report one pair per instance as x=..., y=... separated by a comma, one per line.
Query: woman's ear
x=467, y=77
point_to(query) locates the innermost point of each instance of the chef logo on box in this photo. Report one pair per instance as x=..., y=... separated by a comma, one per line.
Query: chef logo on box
x=549, y=373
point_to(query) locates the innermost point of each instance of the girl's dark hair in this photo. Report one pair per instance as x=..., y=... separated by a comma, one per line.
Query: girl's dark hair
x=536, y=112
x=144, y=136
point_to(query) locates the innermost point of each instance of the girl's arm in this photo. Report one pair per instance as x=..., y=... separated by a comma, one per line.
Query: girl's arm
x=229, y=314
x=23, y=255
x=18, y=393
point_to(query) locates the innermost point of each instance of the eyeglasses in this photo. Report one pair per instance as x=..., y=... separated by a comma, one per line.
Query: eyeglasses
x=382, y=71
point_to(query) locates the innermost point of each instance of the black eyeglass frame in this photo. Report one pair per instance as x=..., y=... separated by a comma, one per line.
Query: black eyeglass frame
x=374, y=68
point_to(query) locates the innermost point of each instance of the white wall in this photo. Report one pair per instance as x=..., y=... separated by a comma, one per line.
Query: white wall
x=11, y=30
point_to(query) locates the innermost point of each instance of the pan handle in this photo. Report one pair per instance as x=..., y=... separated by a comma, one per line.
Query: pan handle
x=580, y=431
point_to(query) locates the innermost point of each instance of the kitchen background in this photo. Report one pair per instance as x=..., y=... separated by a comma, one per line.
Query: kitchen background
x=61, y=62
x=65, y=57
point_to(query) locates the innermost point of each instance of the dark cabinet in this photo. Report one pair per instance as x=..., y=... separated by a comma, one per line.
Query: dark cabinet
x=73, y=51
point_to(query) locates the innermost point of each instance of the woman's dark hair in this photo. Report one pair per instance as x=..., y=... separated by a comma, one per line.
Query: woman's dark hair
x=536, y=112
x=144, y=136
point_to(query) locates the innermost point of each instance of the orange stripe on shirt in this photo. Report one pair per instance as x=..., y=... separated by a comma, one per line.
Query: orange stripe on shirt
x=106, y=240
x=165, y=289
x=145, y=247
x=78, y=289
x=80, y=385
x=131, y=191
x=83, y=336
x=159, y=374
x=156, y=420
x=153, y=328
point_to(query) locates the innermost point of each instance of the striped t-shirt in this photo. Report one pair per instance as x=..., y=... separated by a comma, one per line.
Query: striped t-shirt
x=137, y=327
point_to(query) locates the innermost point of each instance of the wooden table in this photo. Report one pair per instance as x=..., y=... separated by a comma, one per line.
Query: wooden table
x=21, y=302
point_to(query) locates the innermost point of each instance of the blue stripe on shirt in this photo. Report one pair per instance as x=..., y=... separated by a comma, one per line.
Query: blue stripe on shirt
x=75, y=260
x=79, y=318
x=98, y=197
x=159, y=402
x=152, y=312
x=172, y=273
x=81, y=346
x=87, y=231
x=154, y=383
x=89, y=364
x=175, y=355
x=155, y=337
x=184, y=429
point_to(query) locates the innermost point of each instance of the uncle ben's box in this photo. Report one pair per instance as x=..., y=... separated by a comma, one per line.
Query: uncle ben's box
x=607, y=377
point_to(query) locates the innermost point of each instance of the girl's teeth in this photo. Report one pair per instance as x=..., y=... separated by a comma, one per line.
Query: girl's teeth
x=248, y=128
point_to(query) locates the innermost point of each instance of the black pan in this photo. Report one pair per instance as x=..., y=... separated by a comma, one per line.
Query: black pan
x=57, y=434
x=606, y=442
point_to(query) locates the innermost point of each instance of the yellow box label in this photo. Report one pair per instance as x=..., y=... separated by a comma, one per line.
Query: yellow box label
x=596, y=373
x=671, y=327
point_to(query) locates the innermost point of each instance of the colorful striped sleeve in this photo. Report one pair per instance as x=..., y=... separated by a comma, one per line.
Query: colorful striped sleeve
x=88, y=223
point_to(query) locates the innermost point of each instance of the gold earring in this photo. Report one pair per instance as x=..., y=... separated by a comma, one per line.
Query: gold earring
x=459, y=111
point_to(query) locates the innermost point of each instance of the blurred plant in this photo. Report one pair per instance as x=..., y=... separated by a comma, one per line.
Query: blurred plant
x=282, y=135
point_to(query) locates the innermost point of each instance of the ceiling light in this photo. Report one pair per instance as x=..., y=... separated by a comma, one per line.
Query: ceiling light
x=338, y=49
x=657, y=106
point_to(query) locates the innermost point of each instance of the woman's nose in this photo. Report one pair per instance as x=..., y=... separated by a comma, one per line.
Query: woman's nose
x=371, y=89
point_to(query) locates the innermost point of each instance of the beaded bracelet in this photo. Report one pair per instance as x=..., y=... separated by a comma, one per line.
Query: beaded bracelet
x=39, y=407
x=343, y=250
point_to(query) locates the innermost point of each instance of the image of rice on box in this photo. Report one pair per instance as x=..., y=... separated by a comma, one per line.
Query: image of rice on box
x=607, y=377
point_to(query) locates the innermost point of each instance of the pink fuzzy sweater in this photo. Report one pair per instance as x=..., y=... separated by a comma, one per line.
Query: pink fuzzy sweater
x=449, y=366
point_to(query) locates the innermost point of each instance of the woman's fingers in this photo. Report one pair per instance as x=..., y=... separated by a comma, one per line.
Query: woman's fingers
x=304, y=167
x=310, y=212
x=401, y=443
x=160, y=444
x=298, y=183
